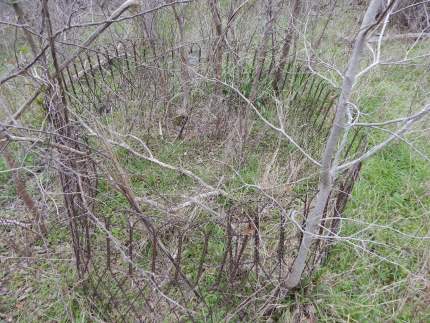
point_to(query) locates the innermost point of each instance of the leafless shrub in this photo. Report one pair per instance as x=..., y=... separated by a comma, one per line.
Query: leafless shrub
x=157, y=235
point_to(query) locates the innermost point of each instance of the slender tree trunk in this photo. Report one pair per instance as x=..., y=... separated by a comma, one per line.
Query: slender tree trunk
x=219, y=41
x=71, y=168
x=328, y=167
x=277, y=75
x=244, y=122
x=21, y=191
x=261, y=51
x=22, y=20
x=185, y=75
x=20, y=186
x=317, y=43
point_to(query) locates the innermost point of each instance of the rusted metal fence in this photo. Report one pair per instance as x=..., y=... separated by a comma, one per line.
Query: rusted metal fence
x=151, y=265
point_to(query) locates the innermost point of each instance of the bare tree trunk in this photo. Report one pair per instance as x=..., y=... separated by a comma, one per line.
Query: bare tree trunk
x=148, y=21
x=261, y=51
x=277, y=75
x=219, y=40
x=20, y=186
x=243, y=122
x=185, y=76
x=22, y=192
x=71, y=168
x=317, y=43
x=328, y=167
x=22, y=20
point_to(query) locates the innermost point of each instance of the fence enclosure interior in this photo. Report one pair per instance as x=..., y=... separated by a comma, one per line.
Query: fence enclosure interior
x=162, y=236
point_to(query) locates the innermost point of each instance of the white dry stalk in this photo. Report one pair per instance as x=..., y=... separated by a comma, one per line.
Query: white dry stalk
x=328, y=165
x=394, y=135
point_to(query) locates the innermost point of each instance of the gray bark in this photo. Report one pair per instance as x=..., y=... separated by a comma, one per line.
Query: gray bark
x=328, y=167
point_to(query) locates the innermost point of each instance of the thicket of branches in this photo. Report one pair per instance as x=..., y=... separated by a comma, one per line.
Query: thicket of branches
x=195, y=157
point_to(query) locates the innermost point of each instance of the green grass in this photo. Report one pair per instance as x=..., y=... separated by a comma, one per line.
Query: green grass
x=4, y=174
x=358, y=285
x=47, y=291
